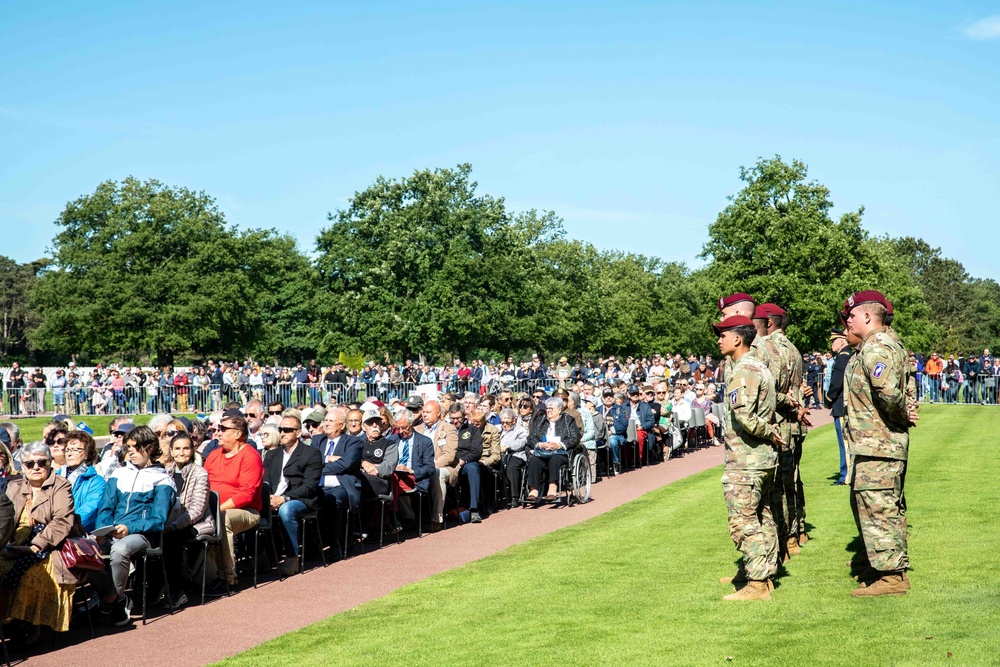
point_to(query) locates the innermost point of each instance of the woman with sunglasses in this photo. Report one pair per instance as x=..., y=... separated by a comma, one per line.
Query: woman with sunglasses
x=190, y=516
x=37, y=586
x=166, y=434
x=80, y=471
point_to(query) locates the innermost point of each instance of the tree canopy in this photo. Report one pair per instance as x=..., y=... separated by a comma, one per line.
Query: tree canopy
x=427, y=265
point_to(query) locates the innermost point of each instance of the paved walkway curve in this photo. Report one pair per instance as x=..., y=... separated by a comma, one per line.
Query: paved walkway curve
x=200, y=635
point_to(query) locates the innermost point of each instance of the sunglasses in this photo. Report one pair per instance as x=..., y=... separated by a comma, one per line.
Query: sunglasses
x=171, y=433
x=286, y=429
x=221, y=428
x=274, y=412
x=30, y=465
x=58, y=442
x=252, y=415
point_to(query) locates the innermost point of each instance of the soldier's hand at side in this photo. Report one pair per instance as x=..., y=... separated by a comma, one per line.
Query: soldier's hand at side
x=776, y=439
x=803, y=417
x=913, y=417
x=807, y=391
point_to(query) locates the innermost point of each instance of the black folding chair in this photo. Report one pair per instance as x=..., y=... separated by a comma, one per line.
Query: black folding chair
x=208, y=540
x=265, y=525
x=154, y=552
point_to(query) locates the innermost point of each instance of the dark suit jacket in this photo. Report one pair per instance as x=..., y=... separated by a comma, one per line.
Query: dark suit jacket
x=349, y=449
x=302, y=472
x=835, y=394
x=421, y=458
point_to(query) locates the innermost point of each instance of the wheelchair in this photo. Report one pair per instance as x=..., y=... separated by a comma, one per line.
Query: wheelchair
x=574, y=479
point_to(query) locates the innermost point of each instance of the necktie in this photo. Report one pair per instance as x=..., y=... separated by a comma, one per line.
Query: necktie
x=333, y=445
x=406, y=451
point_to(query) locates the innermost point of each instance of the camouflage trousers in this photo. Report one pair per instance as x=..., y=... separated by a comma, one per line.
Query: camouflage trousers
x=800, y=495
x=787, y=499
x=751, y=526
x=880, y=510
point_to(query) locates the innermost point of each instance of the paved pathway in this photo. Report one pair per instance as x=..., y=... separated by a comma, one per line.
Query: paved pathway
x=199, y=635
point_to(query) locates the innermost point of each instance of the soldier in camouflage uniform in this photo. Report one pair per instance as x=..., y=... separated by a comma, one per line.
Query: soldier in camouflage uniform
x=876, y=431
x=784, y=505
x=772, y=355
x=777, y=322
x=750, y=460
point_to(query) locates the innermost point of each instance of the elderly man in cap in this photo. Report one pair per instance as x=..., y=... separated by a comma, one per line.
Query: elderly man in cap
x=750, y=460
x=877, y=433
x=641, y=415
x=834, y=398
x=415, y=406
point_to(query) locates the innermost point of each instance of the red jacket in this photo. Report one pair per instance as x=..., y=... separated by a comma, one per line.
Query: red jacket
x=238, y=478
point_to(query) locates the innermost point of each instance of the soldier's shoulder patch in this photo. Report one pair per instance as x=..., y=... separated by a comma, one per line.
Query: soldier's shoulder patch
x=878, y=370
x=734, y=396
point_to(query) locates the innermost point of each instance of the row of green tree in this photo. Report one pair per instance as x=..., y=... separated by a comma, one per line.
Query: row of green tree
x=425, y=265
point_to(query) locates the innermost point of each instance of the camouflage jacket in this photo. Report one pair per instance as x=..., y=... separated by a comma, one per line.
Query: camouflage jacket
x=911, y=386
x=875, y=398
x=749, y=411
x=767, y=351
x=794, y=380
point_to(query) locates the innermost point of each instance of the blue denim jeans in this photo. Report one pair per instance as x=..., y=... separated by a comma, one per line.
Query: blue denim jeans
x=615, y=443
x=843, y=454
x=288, y=515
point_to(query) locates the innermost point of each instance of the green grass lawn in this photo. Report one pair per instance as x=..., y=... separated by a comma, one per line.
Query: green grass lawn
x=31, y=427
x=638, y=585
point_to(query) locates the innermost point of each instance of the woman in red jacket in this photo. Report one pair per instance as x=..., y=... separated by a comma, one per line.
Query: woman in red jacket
x=236, y=473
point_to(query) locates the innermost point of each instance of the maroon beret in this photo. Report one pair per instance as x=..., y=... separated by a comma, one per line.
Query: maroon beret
x=768, y=310
x=731, y=323
x=727, y=301
x=858, y=298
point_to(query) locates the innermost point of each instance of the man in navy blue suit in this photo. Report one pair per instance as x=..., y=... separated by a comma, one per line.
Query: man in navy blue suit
x=341, y=463
x=416, y=462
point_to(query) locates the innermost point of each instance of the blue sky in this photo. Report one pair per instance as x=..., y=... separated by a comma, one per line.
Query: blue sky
x=629, y=120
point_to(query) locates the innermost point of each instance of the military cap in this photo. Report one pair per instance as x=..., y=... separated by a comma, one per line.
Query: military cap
x=560, y=393
x=731, y=323
x=836, y=333
x=738, y=297
x=858, y=298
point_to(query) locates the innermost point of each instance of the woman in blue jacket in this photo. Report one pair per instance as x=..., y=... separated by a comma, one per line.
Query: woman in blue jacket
x=137, y=501
x=88, y=485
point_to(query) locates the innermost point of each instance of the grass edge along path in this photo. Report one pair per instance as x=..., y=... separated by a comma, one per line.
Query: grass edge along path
x=638, y=584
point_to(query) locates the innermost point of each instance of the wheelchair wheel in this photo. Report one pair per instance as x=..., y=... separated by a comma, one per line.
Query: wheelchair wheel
x=580, y=478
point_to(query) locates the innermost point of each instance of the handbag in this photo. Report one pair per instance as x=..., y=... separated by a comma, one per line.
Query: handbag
x=82, y=553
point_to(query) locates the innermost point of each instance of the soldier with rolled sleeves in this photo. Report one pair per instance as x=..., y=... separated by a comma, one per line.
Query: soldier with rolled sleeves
x=750, y=457
x=876, y=429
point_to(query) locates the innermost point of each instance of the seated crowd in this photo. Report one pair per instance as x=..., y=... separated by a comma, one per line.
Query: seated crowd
x=190, y=493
